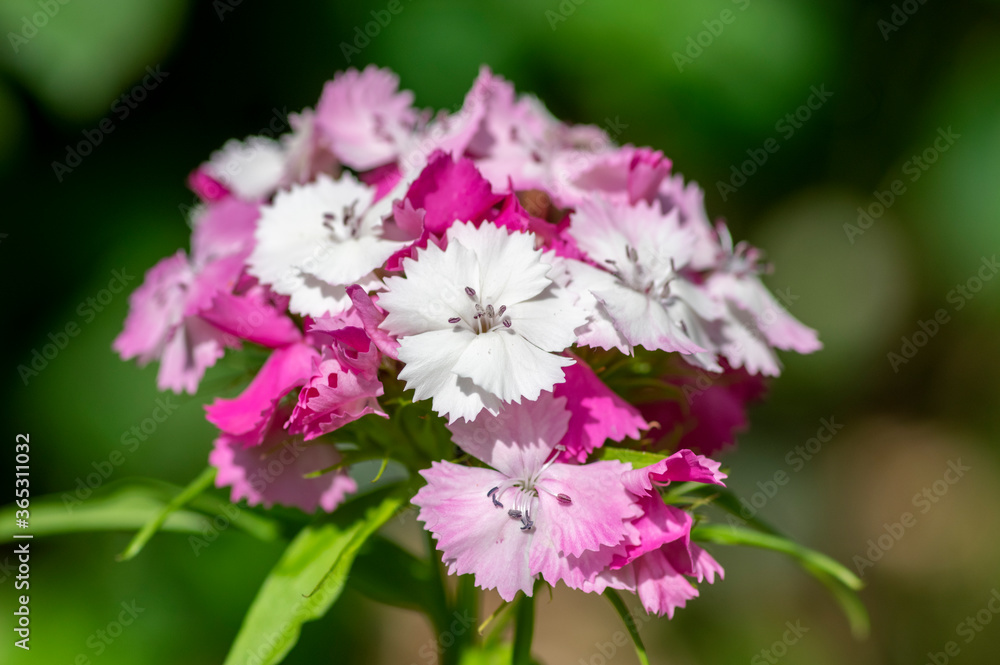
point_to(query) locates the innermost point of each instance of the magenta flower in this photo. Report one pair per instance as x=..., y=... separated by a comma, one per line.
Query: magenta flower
x=528, y=514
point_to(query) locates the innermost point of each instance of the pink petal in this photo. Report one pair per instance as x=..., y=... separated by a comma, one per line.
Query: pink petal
x=474, y=536
x=274, y=473
x=253, y=317
x=249, y=416
x=596, y=413
x=451, y=191
x=682, y=466
x=518, y=440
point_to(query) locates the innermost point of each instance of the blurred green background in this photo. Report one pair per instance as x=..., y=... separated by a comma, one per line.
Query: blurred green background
x=226, y=67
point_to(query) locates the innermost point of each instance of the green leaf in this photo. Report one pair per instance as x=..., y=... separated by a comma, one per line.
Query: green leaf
x=637, y=458
x=196, y=487
x=124, y=507
x=309, y=577
x=496, y=654
x=524, y=629
x=388, y=574
x=725, y=499
x=842, y=582
x=633, y=630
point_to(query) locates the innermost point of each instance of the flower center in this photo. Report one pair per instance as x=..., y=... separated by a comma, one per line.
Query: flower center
x=347, y=226
x=486, y=319
x=522, y=505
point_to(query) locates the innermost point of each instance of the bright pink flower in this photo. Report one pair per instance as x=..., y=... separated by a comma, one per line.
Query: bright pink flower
x=656, y=565
x=596, y=414
x=716, y=409
x=344, y=385
x=363, y=118
x=528, y=514
x=250, y=416
x=274, y=471
x=682, y=466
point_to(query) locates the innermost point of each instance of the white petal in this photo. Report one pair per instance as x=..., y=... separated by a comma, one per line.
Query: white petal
x=549, y=320
x=644, y=321
x=506, y=365
x=511, y=269
x=432, y=292
x=430, y=358
x=252, y=169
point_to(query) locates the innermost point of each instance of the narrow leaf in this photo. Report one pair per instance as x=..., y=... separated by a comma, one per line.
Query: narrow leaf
x=838, y=579
x=309, y=577
x=633, y=630
x=196, y=487
x=637, y=458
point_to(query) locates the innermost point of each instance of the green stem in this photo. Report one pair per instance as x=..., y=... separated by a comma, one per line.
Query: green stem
x=633, y=630
x=524, y=630
x=449, y=654
x=467, y=609
x=196, y=487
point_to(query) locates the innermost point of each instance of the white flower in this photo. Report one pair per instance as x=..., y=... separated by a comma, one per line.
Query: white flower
x=315, y=240
x=252, y=169
x=481, y=322
x=641, y=292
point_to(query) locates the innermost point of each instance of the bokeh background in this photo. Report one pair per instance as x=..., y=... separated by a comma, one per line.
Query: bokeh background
x=227, y=68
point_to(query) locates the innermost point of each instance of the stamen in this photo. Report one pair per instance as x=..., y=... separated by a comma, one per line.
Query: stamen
x=471, y=292
x=506, y=322
x=503, y=308
x=454, y=319
x=516, y=514
x=563, y=498
x=489, y=311
x=491, y=495
x=479, y=311
x=528, y=523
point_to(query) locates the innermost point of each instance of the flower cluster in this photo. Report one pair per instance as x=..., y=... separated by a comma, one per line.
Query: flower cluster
x=517, y=275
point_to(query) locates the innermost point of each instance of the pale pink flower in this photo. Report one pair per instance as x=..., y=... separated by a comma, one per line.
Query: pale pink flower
x=363, y=118
x=274, y=472
x=528, y=514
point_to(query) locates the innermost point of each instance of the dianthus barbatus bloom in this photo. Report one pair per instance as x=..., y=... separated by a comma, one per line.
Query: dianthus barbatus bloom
x=481, y=322
x=274, y=472
x=529, y=514
x=315, y=240
x=641, y=291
